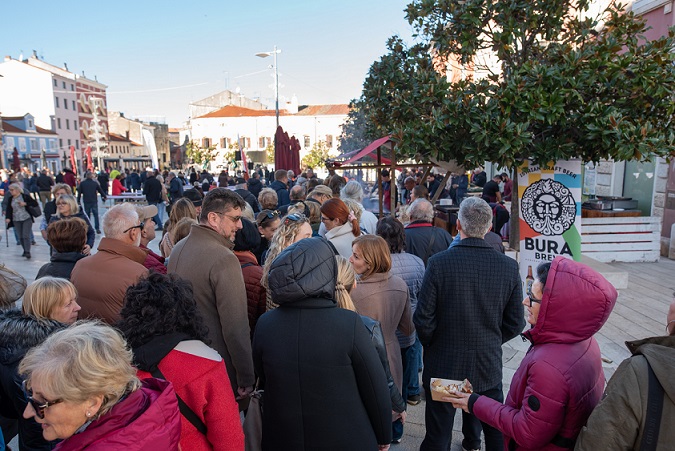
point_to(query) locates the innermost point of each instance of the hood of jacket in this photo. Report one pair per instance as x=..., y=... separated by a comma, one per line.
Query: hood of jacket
x=577, y=301
x=660, y=353
x=278, y=185
x=19, y=333
x=306, y=269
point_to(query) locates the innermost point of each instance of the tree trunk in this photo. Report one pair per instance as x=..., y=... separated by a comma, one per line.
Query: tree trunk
x=514, y=222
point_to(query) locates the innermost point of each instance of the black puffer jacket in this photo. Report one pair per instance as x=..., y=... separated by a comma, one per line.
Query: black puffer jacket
x=324, y=383
x=19, y=333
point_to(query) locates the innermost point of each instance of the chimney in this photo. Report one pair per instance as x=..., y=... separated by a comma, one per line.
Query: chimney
x=65, y=66
x=8, y=58
x=35, y=54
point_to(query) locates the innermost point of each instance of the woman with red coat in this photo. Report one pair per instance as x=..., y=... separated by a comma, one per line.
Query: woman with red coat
x=117, y=187
x=167, y=335
x=245, y=241
x=560, y=380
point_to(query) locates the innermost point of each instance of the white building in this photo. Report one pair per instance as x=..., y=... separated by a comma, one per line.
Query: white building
x=255, y=129
x=48, y=93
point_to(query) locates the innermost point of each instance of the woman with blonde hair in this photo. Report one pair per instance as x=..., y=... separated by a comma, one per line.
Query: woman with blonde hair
x=341, y=224
x=310, y=209
x=183, y=208
x=51, y=298
x=383, y=297
x=67, y=207
x=82, y=388
x=294, y=227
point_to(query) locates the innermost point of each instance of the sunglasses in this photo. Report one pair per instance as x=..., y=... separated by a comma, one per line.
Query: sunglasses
x=532, y=299
x=295, y=217
x=139, y=226
x=38, y=407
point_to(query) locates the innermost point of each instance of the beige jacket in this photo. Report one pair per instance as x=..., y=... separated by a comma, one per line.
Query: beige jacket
x=385, y=298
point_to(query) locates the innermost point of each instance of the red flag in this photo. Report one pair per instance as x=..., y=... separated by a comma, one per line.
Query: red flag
x=73, y=163
x=90, y=163
x=245, y=164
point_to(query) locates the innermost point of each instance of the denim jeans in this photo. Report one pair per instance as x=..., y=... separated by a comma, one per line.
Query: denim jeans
x=91, y=210
x=158, y=217
x=411, y=366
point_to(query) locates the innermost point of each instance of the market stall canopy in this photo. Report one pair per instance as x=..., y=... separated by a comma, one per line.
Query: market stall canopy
x=354, y=156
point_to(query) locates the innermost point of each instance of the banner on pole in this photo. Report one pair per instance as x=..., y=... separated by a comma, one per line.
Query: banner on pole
x=550, y=214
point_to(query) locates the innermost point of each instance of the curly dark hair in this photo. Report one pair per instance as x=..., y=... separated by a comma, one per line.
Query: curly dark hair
x=158, y=305
x=393, y=233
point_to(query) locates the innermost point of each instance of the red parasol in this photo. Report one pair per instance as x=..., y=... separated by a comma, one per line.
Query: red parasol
x=90, y=163
x=16, y=163
x=294, y=153
x=73, y=162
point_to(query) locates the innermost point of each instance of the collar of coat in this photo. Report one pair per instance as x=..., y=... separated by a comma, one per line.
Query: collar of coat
x=129, y=251
x=667, y=341
x=415, y=224
x=473, y=242
x=376, y=278
x=311, y=303
x=204, y=231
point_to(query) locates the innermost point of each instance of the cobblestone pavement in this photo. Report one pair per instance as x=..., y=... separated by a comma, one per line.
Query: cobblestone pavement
x=640, y=312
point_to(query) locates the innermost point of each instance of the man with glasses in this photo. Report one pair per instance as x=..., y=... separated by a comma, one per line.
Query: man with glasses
x=103, y=278
x=205, y=258
x=468, y=306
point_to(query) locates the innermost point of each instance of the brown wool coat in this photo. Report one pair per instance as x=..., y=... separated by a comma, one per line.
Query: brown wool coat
x=102, y=279
x=385, y=298
x=205, y=258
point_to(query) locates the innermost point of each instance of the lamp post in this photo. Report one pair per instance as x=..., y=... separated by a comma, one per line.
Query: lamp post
x=276, y=76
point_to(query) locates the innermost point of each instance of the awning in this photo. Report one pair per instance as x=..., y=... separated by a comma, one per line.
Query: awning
x=370, y=148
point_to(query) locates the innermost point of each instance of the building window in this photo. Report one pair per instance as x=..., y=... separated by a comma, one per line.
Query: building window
x=224, y=143
x=306, y=141
x=30, y=124
x=33, y=144
x=261, y=142
x=22, y=145
x=75, y=125
x=74, y=105
x=64, y=84
x=58, y=122
x=67, y=124
x=329, y=141
x=68, y=143
x=57, y=101
x=65, y=104
x=72, y=87
x=77, y=145
x=56, y=84
x=206, y=142
x=61, y=143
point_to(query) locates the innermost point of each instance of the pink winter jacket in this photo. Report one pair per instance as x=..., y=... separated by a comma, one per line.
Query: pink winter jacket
x=560, y=380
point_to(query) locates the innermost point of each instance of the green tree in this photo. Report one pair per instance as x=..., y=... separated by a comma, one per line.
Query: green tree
x=200, y=155
x=566, y=86
x=269, y=154
x=354, y=134
x=316, y=157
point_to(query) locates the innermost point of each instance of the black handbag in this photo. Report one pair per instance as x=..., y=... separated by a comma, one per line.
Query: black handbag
x=34, y=210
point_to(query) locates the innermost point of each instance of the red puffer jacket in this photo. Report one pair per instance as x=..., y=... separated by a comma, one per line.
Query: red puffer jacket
x=255, y=293
x=147, y=419
x=560, y=380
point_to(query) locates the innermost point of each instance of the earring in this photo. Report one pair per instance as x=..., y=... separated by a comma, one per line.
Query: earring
x=88, y=414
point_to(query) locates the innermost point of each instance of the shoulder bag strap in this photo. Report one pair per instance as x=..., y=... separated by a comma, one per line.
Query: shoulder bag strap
x=650, y=436
x=185, y=410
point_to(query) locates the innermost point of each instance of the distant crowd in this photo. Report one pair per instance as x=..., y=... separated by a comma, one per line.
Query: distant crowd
x=278, y=312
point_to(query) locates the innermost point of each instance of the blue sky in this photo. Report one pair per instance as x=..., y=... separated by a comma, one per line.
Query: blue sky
x=156, y=57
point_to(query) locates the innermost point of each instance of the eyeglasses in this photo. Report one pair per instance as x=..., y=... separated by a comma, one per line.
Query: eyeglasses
x=231, y=218
x=532, y=299
x=325, y=219
x=139, y=226
x=37, y=406
x=58, y=204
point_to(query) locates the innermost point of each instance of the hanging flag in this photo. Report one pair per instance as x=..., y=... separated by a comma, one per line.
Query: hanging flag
x=245, y=164
x=90, y=163
x=73, y=161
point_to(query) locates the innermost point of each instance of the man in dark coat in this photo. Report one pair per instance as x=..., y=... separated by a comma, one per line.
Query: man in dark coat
x=152, y=188
x=324, y=384
x=468, y=306
x=280, y=185
x=45, y=183
x=240, y=188
x=104, y=181
x=421, y=237
x=88, y=194
x=255, y=185
x=135, y=181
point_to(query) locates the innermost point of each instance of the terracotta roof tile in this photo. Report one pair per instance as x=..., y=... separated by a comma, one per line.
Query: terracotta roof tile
x=323, y=110
x=237, y=111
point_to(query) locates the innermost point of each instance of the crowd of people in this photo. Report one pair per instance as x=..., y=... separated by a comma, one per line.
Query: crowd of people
x=296, y=294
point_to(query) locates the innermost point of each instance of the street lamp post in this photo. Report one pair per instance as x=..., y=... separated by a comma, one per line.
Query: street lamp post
x=276, y=77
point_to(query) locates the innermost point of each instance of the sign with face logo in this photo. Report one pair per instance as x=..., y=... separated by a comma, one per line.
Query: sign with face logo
x=550, y=212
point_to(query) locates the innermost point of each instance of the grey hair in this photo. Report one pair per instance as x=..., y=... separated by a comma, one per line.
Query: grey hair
x=352, y=190
x=118, y=219
x=475, y=217
x=421, y=210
